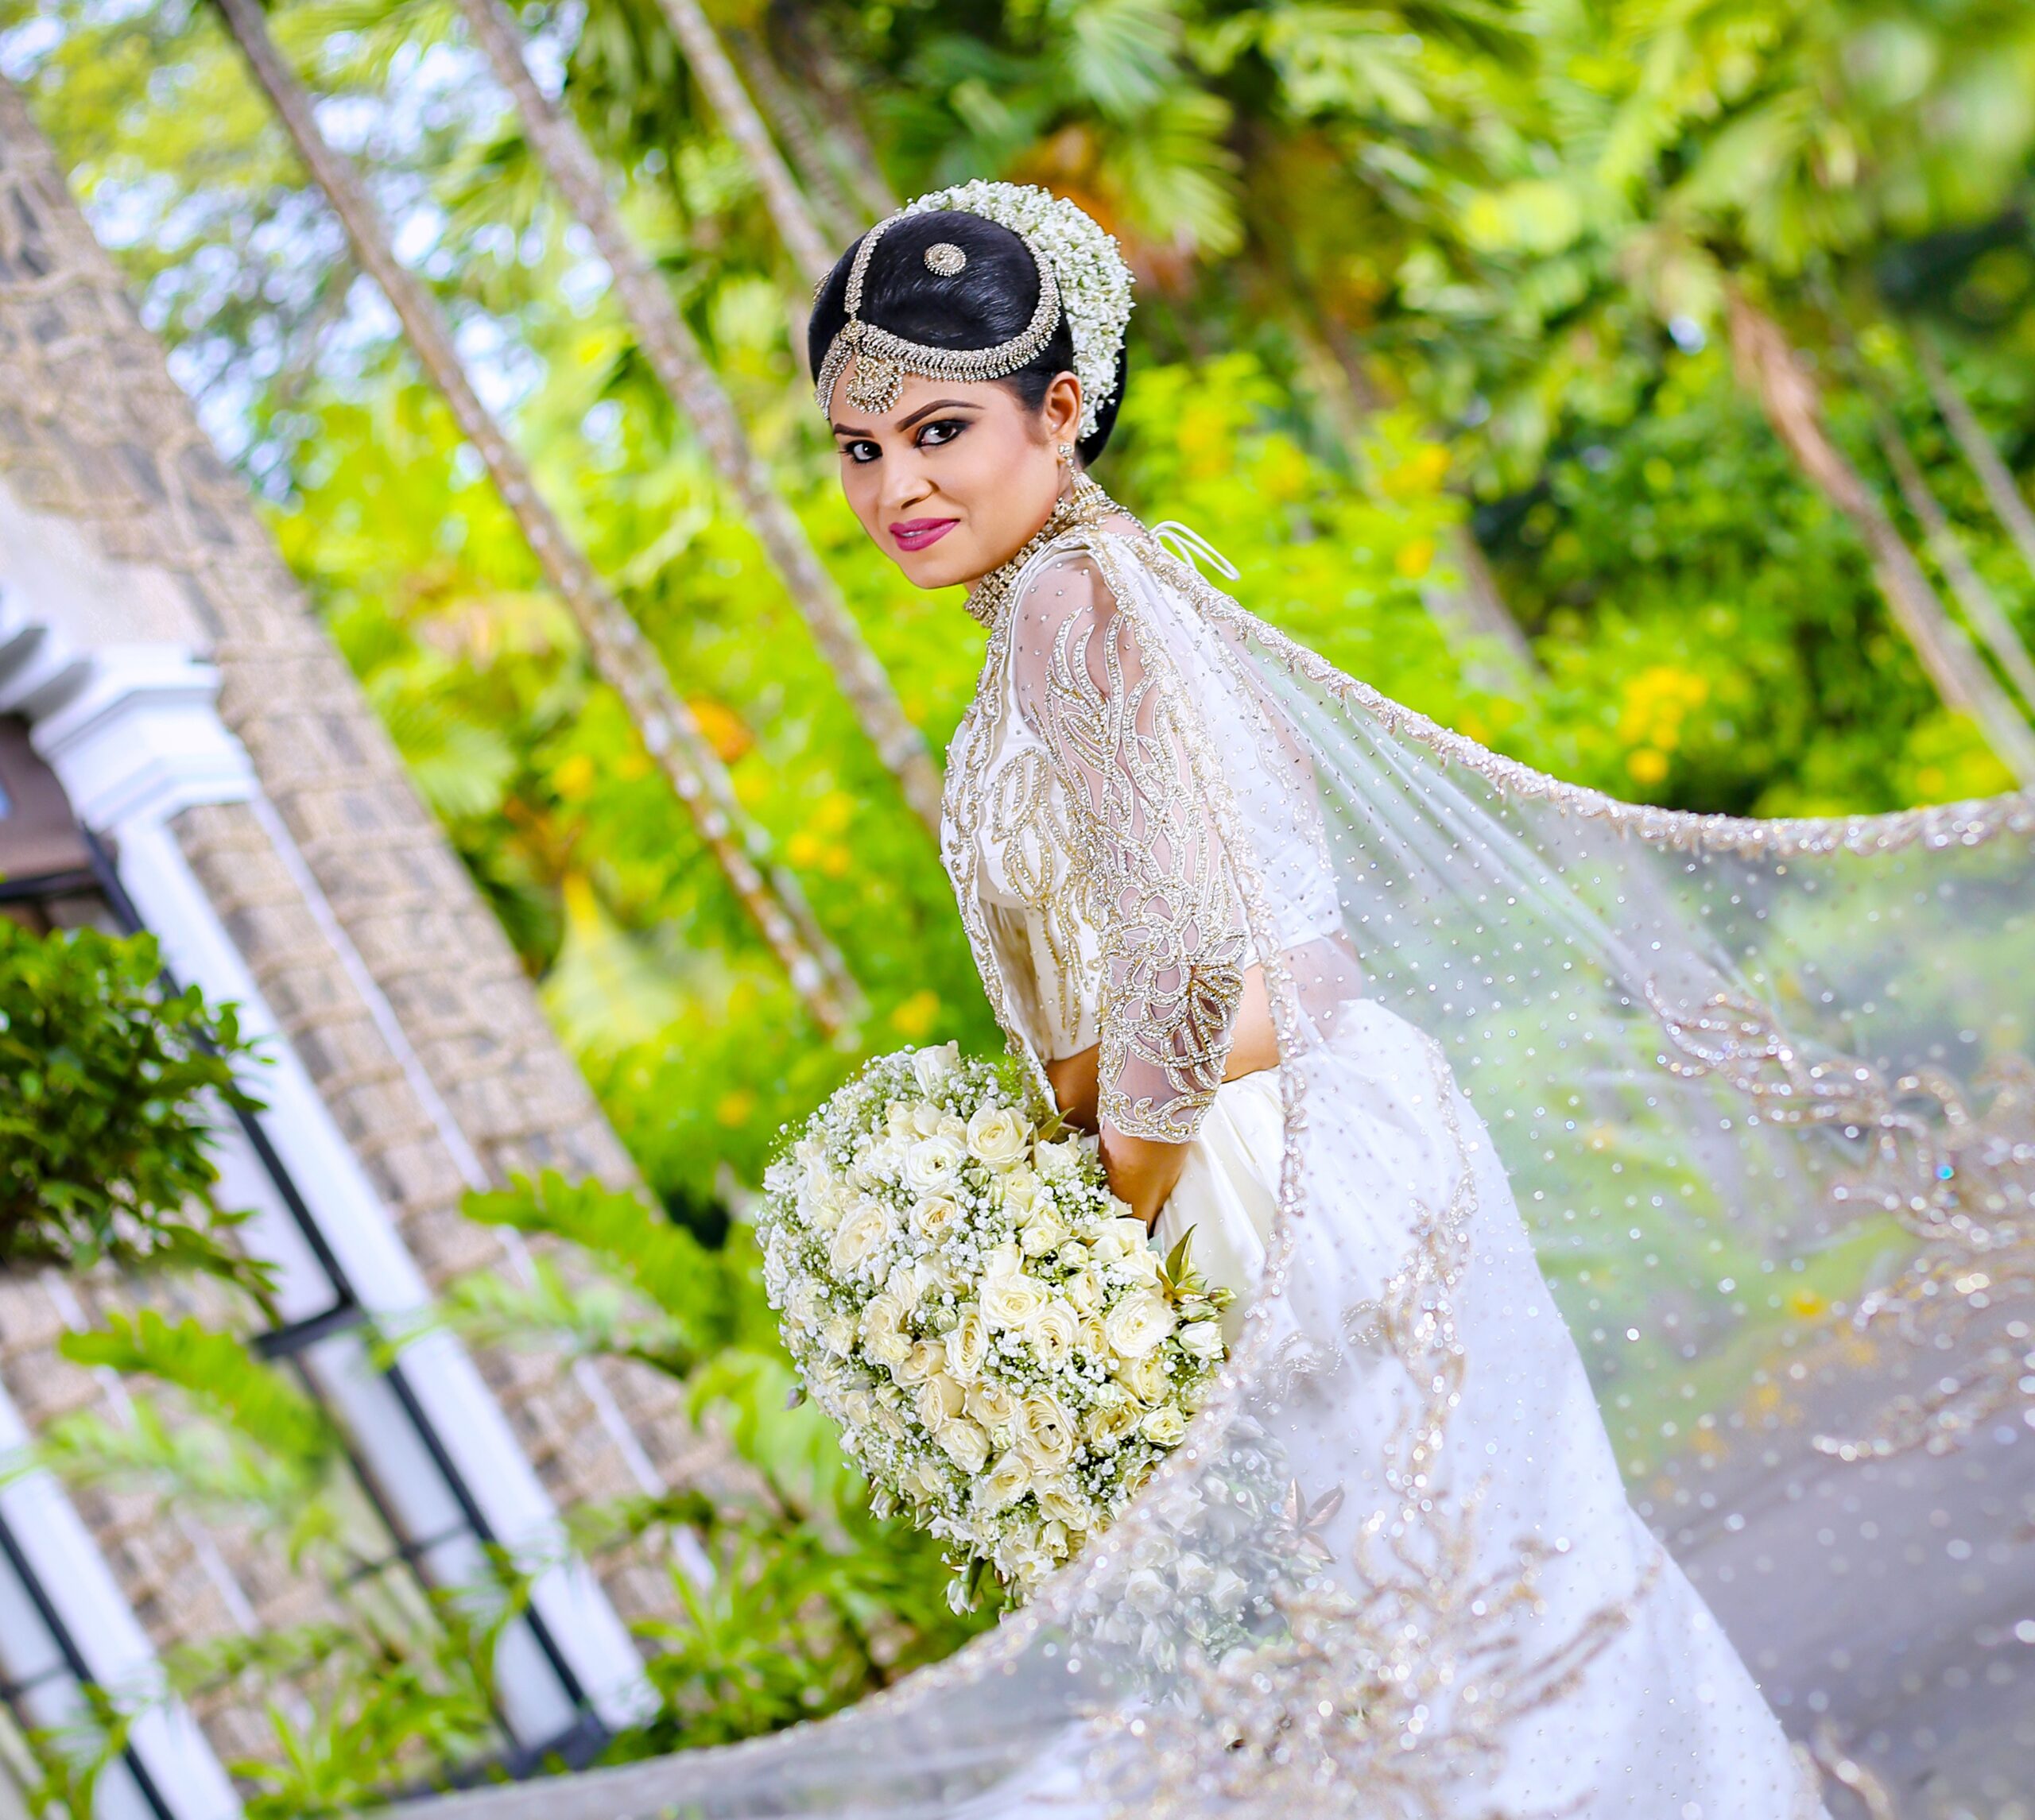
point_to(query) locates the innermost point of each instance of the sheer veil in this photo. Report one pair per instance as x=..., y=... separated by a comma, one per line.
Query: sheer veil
x=1762, y=1093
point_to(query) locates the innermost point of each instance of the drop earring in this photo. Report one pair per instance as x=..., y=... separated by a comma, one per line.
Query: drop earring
x=1067, y=455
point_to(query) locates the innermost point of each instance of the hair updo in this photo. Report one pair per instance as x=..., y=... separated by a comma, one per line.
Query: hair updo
x=986, y=303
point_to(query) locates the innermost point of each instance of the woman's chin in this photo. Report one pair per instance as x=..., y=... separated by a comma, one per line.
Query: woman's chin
x=938, y=566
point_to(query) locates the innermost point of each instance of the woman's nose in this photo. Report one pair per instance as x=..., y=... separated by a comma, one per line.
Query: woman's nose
x=905, y=482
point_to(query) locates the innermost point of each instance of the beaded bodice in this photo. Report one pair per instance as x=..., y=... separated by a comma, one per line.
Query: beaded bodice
x=1103, y=903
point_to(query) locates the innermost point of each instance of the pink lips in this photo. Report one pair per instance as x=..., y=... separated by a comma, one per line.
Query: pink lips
x=921, y=533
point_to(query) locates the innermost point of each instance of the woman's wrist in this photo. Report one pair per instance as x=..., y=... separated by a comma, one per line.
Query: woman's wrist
x=1142, y=1171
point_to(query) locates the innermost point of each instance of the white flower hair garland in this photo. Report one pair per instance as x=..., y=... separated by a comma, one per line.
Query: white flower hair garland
x=1077, y=260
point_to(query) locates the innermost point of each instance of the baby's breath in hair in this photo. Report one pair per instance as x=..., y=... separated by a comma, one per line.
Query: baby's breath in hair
x=1094, y=282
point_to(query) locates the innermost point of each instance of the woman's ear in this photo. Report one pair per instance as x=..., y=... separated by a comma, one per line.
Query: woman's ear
x=1062, y=408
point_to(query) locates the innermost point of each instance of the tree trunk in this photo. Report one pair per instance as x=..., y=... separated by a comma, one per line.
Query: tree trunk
x=739, y=119
x=794, y=126
x=682, y=368
x=621, y=654
x=2001, y=493
x=1984, y=612
x=1768, y=365
x=830, y=86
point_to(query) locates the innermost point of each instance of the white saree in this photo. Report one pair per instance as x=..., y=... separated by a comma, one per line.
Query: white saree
x=1434, y=1548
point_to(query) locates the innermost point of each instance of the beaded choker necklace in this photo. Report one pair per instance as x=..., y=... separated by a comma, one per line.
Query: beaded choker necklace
x=1083, y=503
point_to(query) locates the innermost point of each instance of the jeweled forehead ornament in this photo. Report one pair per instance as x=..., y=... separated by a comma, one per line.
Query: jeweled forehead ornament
x=882, y=359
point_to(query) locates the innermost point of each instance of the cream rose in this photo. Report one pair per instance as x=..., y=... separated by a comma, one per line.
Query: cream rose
x=939, y=1401
x=837, y=1334
x=992, y=1404
x=1084, y=1291
x=1045, y=1433
x=1118, y=1239
x=920, y=1362
x=1109, y=1428
x=1010, y=1304
x=1137, y=1324
x=1203, y=1339
x=883, y=1335
x=931, y=1066
x=936, y=1219
x=963, y=1443
x=996, y=1135
x=1045, y=1231
x=932, y=1166
x=1052, y=1334
x=1165, y=1425
x=1055, y=1160
x=967, y=1345
x=1020, y=1188
x=860, y=1239
x=1006, y=1481
x=1146, y=1376
x=1060, y=1503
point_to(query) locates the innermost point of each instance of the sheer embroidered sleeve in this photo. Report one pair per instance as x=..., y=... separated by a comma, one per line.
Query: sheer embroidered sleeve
x=1158, y=883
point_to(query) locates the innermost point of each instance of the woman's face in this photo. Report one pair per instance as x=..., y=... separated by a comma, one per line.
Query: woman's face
x=953, y=479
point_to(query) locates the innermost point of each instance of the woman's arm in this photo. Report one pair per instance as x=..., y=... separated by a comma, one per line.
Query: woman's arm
x=1143, y=1171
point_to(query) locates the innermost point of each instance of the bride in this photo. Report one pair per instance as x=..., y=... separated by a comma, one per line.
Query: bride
x=1135, y=828
x=1269, y=934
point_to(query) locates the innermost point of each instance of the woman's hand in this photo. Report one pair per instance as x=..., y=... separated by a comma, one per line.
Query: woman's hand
x=1142, y=1171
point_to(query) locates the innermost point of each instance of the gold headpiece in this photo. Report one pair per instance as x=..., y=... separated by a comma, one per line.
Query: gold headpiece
x=1081, y=277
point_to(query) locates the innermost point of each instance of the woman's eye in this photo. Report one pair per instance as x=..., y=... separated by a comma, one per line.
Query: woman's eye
x=945, y=431
x=860, y=453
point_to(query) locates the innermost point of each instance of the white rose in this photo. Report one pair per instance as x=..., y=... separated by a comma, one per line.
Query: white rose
x=823, y=1209
x=996, y=1135
x=1045, y=1433
x=967, y=1345
x=837, y=1334
x=1053, y=1160
x=1043, y=1232
x=1108, y=1428
x=921, y=1482
x=1020, y=1188
x=883, y=1335
x=1146, y=1376
x=1095, y=1343
x=924, y=1119
x=1061, y=1503
x=1165, y=1425
x=1193, y=1574
x=934, y=1218
x=931, y=1066
x=1226, y=1589
x=1006, y=1261
x=1084, y=1290
x=1119, y=1238
x=1142, y=1264
x=939, y=1401
x=800, y=1304
x=919, y=1363
x=963, y=1443
x=1054, y=1539
x=1012, y=1303
x=861, y=1238
x=1052, y=1334
x=1007, y=1481
x=953, y=1125
x=1203, y=1339
x=1146, y=1592
x=932, y=1166
x=992, y=1404
x=1136, y=1324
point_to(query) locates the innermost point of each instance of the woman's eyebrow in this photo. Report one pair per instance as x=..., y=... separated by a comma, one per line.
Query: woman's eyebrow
x=925, y=411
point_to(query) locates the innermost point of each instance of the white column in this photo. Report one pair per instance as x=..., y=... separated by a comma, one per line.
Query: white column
x=134, y=735
x=101, y=1626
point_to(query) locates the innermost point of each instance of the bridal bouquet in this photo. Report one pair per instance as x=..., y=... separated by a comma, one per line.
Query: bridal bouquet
x=1008, y=1357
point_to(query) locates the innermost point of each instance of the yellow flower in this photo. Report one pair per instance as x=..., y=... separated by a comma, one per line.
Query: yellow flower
x=915, y=1016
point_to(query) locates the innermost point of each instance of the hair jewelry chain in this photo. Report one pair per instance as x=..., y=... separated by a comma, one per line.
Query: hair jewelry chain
x=1081, y=277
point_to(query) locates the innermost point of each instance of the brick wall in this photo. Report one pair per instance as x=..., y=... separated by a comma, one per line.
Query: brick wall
x=388, y=974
